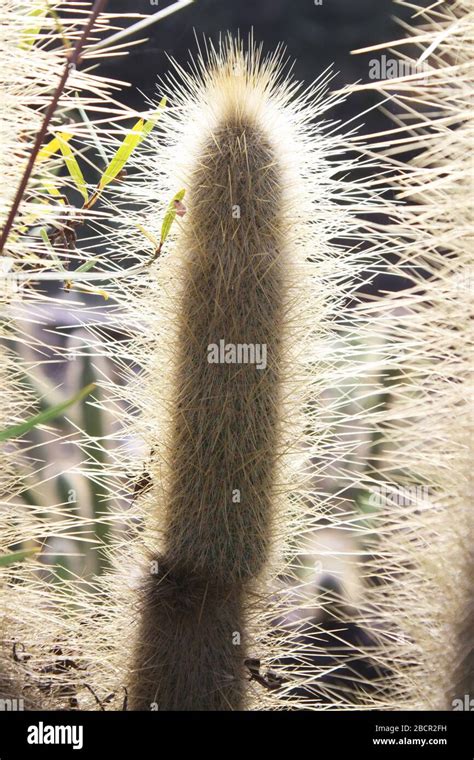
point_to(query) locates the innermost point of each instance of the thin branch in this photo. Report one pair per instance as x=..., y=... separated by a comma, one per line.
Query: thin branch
x=73, y=59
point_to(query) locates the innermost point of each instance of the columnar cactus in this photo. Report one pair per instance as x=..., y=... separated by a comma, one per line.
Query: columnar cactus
x=229, y=345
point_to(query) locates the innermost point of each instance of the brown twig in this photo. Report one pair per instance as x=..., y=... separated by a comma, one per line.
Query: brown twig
x=73, y=59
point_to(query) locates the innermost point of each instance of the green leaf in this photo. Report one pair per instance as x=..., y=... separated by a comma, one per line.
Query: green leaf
x=19, y=556
x=148, y=126
x=170, y=215
x=139, y=130
x=51, y=188
x=88, y=265
x=73, y=167
x=52, y=147
x=29, y=35
x=14, y=431
x=122, y=155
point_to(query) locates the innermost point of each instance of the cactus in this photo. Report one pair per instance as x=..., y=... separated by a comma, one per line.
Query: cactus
x=416, y=554
x=426, y=601
x=219, y=503
x=250, y=267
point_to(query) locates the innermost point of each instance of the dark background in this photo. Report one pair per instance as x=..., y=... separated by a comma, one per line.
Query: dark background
x=315, y=36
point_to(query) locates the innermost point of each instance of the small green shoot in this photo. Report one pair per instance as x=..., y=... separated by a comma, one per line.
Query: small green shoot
x=14, y=431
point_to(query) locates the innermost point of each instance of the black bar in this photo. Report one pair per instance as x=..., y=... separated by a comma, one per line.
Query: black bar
x=160, y=734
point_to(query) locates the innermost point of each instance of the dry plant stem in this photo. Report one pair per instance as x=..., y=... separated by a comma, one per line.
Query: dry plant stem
x=225, y=431
x=73, y=58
